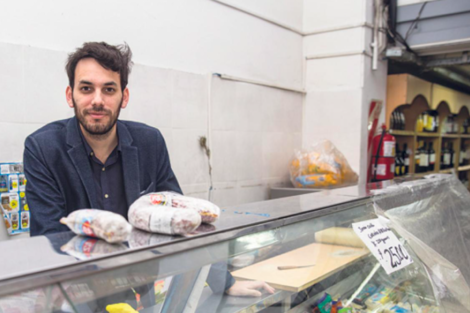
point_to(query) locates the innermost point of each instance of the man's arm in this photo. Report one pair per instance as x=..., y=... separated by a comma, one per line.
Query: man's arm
x=166, y=179
x=45, y=200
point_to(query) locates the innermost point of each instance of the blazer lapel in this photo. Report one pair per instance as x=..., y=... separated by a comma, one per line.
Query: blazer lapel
x=130, y=164
x=80, y=160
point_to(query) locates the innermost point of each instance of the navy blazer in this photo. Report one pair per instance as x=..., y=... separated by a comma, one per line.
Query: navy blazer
x=60, y=179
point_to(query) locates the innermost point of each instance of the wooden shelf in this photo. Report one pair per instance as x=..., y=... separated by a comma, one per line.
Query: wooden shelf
x=446, y=171
x=450, y=136
x=411, y=97
x=433, y=135
x=423, y=174
x=464, y=168
x=397, y=132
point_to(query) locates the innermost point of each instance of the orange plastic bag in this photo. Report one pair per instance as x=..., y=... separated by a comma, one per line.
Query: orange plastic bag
x=322, y=166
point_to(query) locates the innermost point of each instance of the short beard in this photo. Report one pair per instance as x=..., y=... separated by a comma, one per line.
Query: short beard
x=96, y=129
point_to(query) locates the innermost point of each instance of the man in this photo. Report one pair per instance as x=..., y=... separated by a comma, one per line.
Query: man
x=93, y=160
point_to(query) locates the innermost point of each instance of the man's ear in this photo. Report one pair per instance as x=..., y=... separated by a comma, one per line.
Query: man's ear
x=69, y=96
x=125, y=98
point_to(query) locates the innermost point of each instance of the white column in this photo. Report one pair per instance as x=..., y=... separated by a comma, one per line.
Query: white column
x=339, y=79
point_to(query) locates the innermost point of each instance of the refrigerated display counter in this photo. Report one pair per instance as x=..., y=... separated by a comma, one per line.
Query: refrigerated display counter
x=281, y=242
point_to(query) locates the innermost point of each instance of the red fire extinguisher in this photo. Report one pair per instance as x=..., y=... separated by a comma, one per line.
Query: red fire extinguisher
x=383, y=156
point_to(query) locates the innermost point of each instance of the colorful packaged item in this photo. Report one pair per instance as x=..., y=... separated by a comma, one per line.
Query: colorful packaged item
x=321, y=166
x=106, y=225
x=13, y=204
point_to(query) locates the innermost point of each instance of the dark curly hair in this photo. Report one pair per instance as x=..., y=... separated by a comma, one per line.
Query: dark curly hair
x=114, y=58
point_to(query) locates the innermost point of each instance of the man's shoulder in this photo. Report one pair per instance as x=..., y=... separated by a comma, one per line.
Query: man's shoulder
x=136, y=128
x=51, y=130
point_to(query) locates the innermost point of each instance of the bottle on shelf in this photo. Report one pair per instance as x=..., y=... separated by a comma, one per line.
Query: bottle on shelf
x=432, y=158
x=398, y=162
x=426, y=121
x=451, y=155
x=406, y=159
x=462, y=154
x=444, y=157
x=419, y=123
x=455, y=124
x=418, y=158
x=402, y=120
x=435, y=121
x=465, y=125
x=424, y=159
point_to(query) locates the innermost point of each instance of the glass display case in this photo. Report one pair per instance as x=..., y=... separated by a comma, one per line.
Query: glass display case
x=302, y=246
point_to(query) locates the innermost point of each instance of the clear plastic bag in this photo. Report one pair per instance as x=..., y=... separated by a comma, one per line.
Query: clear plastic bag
x=106, y=225
x=433, y=216
x=321, y=166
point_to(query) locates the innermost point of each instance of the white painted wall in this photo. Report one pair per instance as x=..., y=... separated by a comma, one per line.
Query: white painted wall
x=190, y=35
x=289, y=13
x=177, y=44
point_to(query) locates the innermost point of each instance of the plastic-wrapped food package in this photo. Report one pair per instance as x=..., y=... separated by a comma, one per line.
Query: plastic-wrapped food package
x=106, y=225
x=209, y=212
x=84, y=248
x=321, y=166
x=162, y=219
x=171, y=213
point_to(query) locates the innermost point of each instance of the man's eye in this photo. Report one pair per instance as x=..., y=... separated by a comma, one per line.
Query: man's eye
x=110, y=90
x=85, y=88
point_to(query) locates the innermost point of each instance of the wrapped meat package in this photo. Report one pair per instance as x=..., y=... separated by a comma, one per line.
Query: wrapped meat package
x=171, y=213
x=106, y=225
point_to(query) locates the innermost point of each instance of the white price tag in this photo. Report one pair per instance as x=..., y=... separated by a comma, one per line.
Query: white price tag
x=383, y=244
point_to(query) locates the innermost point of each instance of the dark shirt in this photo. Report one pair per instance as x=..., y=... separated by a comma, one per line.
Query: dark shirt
x=109, y=180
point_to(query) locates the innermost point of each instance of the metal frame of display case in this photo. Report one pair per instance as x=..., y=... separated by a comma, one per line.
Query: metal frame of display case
x=235, y=222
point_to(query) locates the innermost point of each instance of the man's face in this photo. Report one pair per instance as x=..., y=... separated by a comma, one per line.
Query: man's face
x=96, y=97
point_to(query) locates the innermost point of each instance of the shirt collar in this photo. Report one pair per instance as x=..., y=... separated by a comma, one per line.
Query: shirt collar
x=88, y=149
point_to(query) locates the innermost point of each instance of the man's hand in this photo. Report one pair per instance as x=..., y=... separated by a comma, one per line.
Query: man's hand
x=249, y=289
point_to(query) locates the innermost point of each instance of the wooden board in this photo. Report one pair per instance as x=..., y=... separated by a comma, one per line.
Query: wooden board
x=328, y=259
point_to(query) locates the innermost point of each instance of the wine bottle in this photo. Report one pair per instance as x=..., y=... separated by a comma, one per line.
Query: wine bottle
x=461, y=154
x=403, y=121
x=452, y=155
x=432, y=158
x=397, y=161
x=406, y=159
x=424, y=160
x=418, y=158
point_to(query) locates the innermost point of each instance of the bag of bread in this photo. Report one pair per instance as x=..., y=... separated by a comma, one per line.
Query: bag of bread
x=322, y=166
x=106, y=225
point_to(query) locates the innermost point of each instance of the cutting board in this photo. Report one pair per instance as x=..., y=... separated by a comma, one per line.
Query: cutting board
x=328, y=259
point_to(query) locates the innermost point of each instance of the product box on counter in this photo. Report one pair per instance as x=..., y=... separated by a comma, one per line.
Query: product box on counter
x=13, y=203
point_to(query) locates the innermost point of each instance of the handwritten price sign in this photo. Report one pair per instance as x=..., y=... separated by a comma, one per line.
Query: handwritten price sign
x=383, y=244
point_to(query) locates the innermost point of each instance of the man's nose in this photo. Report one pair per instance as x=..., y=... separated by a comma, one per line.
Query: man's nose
x=97, y=99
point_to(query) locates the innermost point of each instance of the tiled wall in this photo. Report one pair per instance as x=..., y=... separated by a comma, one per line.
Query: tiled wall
x=252, y=130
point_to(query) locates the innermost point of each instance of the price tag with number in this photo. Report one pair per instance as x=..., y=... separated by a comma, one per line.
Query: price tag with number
x=383, y=244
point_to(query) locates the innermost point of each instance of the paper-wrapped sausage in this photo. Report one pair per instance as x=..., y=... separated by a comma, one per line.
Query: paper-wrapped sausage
x=209, y=212
x=163, y=220
x=106, y=225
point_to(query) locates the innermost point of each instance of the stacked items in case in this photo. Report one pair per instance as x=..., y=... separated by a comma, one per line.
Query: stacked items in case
x=377, y=299
x=13, y=203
